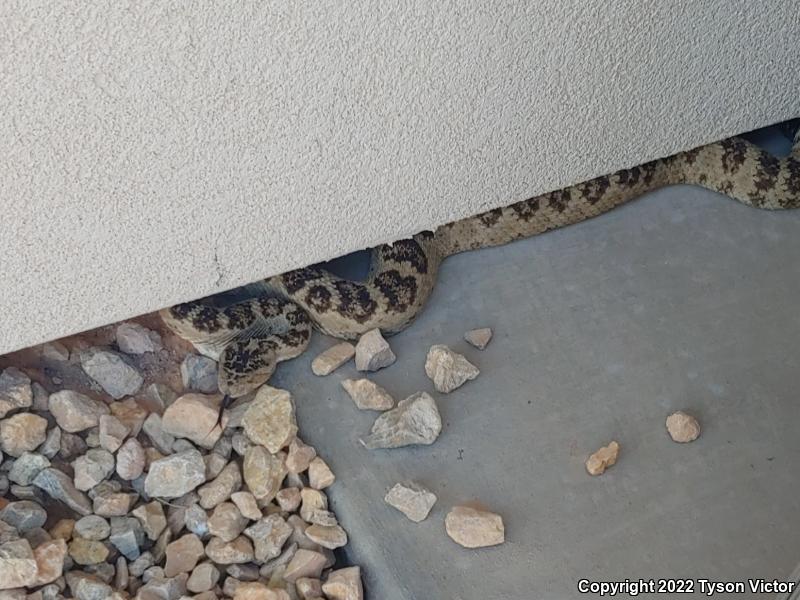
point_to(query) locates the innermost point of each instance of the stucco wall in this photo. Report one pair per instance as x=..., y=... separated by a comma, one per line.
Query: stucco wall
x=156, y=152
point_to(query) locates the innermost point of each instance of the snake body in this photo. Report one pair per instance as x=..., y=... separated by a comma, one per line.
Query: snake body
x=249, y=338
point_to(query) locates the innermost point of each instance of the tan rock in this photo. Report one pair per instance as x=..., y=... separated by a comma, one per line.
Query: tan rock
x=411, y=499
x=151, y=516
x=21, y=433
x=598, y=462
x=175, y=475
x=332, y=358
x=320, y=475
x=263, y=472
x=447, y=369
x=62, y=529
x=113, y=504
x=344, y=584
x=368, y=395
x=183, y=554
x=269, y=535
x=195, y=417
x=49, y=557
x=112, y=432
x=247, y=505
x=305, y=563
x=682, y=427
x=204, y=577
x=226, y=522
x=87, y=552
x=331, y=537
x=474, y=528
x=238, y=551
x=258, y=591
x=479, y=337
x=312, y=501
x=288, y=499
x=300, y=456
x=18, y=566
x=92, y=468
x=131, y=460
x=228, y=481
x=308, y=588
x=130, y=414
x=270, y=420
x=15, y=391
x=373, y=352
x=75, y=412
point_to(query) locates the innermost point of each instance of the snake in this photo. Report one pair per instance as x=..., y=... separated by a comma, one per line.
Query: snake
x=249, y=338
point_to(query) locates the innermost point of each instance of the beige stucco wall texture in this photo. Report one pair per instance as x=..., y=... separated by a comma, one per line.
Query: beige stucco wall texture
x=155, y=152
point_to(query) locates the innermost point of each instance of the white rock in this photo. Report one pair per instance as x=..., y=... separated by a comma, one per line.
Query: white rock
x=682, y=427
x=416, y=420
x=110, y=370
x=132, y=338
x=447, y=369
x=479, y=337
x=598, y=462
x=332, y=358
x=411, y=499
x=474, y=528
x=373, y=352
x=368, y=395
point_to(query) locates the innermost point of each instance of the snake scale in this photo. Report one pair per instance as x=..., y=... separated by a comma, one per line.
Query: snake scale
x=249, y=338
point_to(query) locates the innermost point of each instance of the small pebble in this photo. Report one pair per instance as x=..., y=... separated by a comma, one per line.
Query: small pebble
x=331, y=359
x=682, y=427
x=15, y=390
x=598, y=462
x=479, y=338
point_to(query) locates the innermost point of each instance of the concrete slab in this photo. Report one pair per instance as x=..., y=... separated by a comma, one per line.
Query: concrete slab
x=681, y=300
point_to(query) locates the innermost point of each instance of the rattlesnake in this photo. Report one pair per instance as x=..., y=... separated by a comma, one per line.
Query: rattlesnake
x=251, y=337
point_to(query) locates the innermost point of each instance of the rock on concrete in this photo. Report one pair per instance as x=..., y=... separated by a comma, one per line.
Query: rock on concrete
x=411, y=499
x=473, y=528
x=682, y=428
x=447, y=369
x=416, y=420
x=373, y=352
x=368, y=395
x=331, y=359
